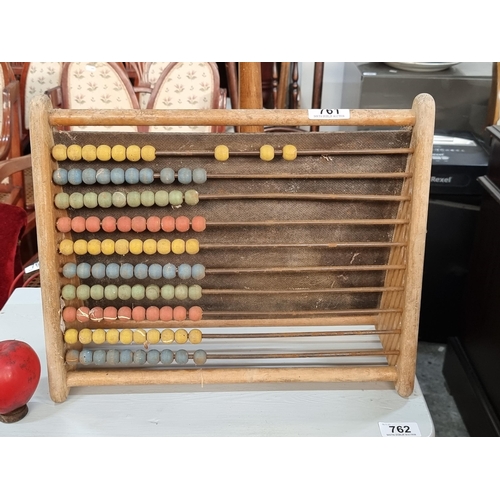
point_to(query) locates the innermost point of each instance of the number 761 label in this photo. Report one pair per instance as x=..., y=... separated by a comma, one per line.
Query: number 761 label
x=399, y=429
x=328, y=114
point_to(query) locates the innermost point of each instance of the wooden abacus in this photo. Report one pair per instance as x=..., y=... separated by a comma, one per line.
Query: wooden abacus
x=287, y=257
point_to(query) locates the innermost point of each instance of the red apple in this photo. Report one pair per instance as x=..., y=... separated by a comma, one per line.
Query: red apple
x=19, y=377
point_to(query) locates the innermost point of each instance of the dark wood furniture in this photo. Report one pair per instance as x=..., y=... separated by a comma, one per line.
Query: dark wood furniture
x=472, y=361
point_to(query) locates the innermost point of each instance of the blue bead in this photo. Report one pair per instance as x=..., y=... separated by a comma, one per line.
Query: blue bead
x=75, y=176
x=167, y=175
x=181, y=357
x=139, y=357
x=99, y=356
x=85, y=357
x=83, y=270
x=98, y=270
x=126, y=357
x=169, y=271
x=155, y=271
x=200, y=357
x=184, y=271
x=198, y=271
x=60, y=176
x=132, y=175
x=126, y=271
x=199, y=176
x=146, y=175
x=103, y=176
x=88, y=176
x=113, y=270
x=69, y=270
x=141, y=271
x=184, y=176
x=117, y=176
x=166, y=357
x=153, y=357
x=113, y=356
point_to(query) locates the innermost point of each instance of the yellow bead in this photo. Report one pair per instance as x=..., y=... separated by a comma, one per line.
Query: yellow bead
x=178, y=247
x=80, y=247
x=89, y=152
x=133, y=153
x=135, y=246
x=148, y=153
x=139, y=336
x=195, y=336
x=149, y=246
x=153, y=336
x=108, y=247
x=266, y=152
x=66, y=247
x=74, y=152
x=192, y=246
x=71, y=336
x=126, y=336
x=104, y=152
x=163, y=246
x=167, y=336
x=94, y=247
x=59, y=152
x=221, y=153
x=118, y=153
x=85, y=336
x=289, y=152
x=181, y=336
x=99, y=336
x=112, y=336
x=122, y=247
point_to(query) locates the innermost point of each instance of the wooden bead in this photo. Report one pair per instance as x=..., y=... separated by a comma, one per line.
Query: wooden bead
x=99, y=270
x=168, y=224
x=69, y=314
x=108, y=224
x=93, y=224
x=153, y=313
x=80, y=247
x=119, y=199
x=94, y=247
x=126, y=336
x=99, y=357
x=289, y=152
x=97, y=292
x=148, y=153
x=85, y=357
x=200, y=357
x=135, y=246
x=76, y=200
x=195, y=336
x=74, y=152
x=138, y=313
x=71, y=336
x=192, y=246
x=59, y=152
x=179, y=313
x=63, y=224
x=83, y=314
x=178, y=246
x=153, y=357
x=195, y=292
x=198, y=223
x=111, y=292
x=266, y=152
x=89, y=152
x=153, y=224
x=182, y=224
x=181, y=292
x=166, y=313
x=191, y=197
x=124, y=292
x=124, y=224
x=110, y=313
x=75, y=176
x=103, y=152
x=124, y=313
x=181, y=336
x=148, y=199
x=83, y=292
x=167, y=336
x=85, y=336
x=195, y=313
x=113, y=269
x=108, y=247
x=117, y=176
x=169, y=271
x=139, y=336
x=118, y=153
x=121, y=247
x=61, y=200
x=175, y=198
x=146, y=175
x=133, y=153
x=112, y=336
x=113, y=356
x=90, y=200
x=105, y=199
x=181, y=357
x=149, y=246
x=132, y=175
x=72, y=356
x=138, y=224
x=126, y=356
x=167, y=292
x=66, y=247
x=134, y=199
x=99, y=336
x=96, y=314
x=153, y=336
x=103, y=176
x=138, y=292
x=166, y=357
x=152, y=292
x=221, y=153
x=60, y=177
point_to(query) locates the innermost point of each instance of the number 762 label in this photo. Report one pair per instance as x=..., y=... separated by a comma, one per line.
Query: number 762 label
x=399, y=429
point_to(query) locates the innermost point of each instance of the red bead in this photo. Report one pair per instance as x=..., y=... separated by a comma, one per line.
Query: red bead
x=199, y=223
x=180, y=313
x=195, y=313
x=138, y=224
x=78, y=224
x=69, y=314
x=124, y=313
x=182, y=224
x=82, y=314
x=139, y=313
x=153, y=224
x=168, y=224
x=124, y=224
x=166, y=313
x=108, y=224
x=110, y=312
x=93, y=224
x=153, y=313
x=64, y=224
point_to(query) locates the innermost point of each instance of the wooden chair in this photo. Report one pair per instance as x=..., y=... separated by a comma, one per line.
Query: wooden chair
x=36, y=78
x=493, y=117
x=186, y=85
x=95, y=85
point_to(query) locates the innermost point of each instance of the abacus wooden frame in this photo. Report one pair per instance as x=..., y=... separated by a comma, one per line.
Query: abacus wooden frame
x=400, y=369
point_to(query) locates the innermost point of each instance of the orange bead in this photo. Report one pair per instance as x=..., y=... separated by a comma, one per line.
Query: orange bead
x=166, y=313
x=153, y=224
x=199, y=223
x=139, y=313
x=78, y=224
x=124, y=224
x=168, y=224
x=108, y=224
x=195, y=313
x=180, y=313
x=93, y=224
x=124, y=313
x=182, y=224
x=82, y=314
x=153, y=313
x=139, y=224
x=69, y=314
x=63, y=224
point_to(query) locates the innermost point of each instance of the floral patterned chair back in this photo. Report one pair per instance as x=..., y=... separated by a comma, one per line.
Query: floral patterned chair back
x=98, y=85
x=186, y=85
x=36, y=79
x=150, y=75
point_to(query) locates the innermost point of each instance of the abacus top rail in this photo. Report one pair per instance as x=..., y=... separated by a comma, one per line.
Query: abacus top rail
x=235, y=117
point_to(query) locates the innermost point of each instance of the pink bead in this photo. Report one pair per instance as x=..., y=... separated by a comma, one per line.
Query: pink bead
x=180, y=313
x=82, y=314
x=182, y=224
x=96, y=314
x=138, y=313
x=78, y=224
x=138, y=224
x=199, y=223
x=108, y=224
x=93, y=224
x=153, y=313
x=154, y=224
x=110, y=312
x=168, y=224
x=195, y=313
x=124, y=224
x=69, y=314
x=124, y=313
x=166, y=313
x=64, y=224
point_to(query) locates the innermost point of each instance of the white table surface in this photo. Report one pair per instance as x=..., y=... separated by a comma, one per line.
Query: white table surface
x=289, y=410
